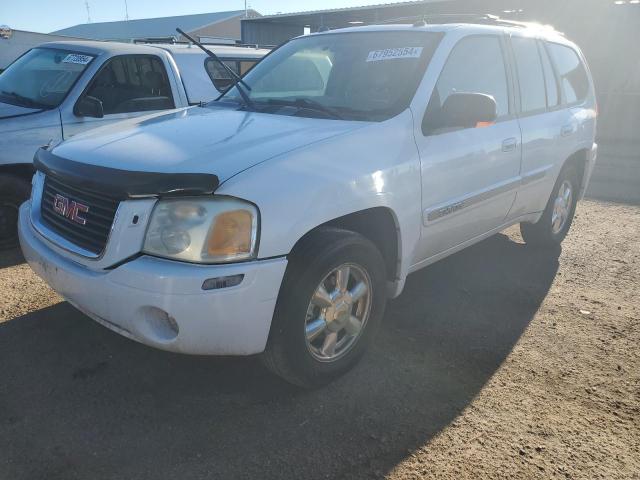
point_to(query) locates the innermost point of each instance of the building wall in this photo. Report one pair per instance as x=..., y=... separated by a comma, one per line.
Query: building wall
x=269, y=33
x=226, y=29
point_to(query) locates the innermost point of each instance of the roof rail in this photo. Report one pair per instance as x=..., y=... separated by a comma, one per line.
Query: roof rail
x=475, y=18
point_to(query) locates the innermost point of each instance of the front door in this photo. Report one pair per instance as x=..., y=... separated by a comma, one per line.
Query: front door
x=469, y=176
x=128, y=86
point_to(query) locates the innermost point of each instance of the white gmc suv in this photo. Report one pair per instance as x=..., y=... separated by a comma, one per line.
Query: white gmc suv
x=278, y=219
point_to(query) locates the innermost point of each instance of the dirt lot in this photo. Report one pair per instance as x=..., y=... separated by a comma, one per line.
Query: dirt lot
x=500, y=362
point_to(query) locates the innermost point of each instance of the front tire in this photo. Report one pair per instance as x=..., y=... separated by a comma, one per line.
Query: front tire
x=13, y=192
x=553, y=226
x=330, y=305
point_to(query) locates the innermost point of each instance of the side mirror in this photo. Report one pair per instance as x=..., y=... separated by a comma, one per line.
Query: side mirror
x=466, y=110
x=89, y=107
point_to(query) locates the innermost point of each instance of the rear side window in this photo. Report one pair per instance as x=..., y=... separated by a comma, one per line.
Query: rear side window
x=475, y=65
x=220, y=77
x=530, y=76
x=571, y=72
x=132, y=83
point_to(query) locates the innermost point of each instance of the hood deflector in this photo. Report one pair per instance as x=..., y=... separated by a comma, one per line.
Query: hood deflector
x=124, y=184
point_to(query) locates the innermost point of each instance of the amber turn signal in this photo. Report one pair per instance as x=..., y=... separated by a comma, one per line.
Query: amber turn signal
x=231, y=234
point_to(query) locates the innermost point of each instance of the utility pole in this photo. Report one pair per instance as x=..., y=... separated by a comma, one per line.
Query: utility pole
x=86, y=4
x=245, y=9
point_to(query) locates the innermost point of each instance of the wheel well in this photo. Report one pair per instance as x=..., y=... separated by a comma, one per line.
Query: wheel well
x=376, y=224
x=579, y=160
x=22, y=170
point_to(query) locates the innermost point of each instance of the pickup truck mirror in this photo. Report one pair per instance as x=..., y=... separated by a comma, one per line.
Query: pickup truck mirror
x=89, y=106
x=467, y=110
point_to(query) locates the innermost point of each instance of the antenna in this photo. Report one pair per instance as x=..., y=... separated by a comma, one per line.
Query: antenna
x=126, y=11
x=86, y=4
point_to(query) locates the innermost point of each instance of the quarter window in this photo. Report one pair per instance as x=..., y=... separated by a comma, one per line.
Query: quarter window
x=475, y=65
x=132, y=83
x=573, y=76
x=530, y=76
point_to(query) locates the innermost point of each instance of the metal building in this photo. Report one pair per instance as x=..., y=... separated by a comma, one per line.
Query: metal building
x=219, y=25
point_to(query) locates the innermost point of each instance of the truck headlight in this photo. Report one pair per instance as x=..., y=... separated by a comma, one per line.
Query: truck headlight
x=203, y=230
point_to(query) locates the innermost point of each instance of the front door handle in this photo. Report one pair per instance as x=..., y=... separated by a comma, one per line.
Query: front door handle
x=509, y=145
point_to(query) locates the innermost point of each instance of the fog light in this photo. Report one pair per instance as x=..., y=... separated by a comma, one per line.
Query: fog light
x=222, y=282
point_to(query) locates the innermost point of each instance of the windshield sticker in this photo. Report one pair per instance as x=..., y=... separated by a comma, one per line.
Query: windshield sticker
x=77, y=59
x=392, y=53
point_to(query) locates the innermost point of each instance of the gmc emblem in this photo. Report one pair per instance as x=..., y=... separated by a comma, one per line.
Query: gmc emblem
x=70, y=209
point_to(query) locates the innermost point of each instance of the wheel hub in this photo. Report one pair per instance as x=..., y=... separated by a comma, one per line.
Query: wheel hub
x=562, y=207
x=338, y=312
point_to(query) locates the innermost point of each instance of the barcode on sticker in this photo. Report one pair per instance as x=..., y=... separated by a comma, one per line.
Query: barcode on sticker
x=77, y=58
x=391, y=53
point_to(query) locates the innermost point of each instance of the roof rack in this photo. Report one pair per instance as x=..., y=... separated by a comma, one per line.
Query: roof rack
x=476, y=18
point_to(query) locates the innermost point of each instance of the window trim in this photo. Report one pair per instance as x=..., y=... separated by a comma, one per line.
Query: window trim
x=564, y=103
x=509, y=81
x=109, y=60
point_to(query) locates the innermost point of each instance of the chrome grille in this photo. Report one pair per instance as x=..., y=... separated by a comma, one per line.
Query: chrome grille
x=93, y=235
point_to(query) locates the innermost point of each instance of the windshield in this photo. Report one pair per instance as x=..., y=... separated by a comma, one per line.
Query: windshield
x=355, y=76
x=42, y=77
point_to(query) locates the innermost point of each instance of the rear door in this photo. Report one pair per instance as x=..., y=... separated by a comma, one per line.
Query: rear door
x=541, y=120
x=128, y=86
x=469, y=176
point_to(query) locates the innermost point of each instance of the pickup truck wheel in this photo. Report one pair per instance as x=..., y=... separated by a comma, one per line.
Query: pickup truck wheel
x=13, y=192
x=330, y=304
x=556, y=220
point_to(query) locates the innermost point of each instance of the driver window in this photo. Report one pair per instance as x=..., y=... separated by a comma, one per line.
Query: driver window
x=132, y=83
x=475, y=65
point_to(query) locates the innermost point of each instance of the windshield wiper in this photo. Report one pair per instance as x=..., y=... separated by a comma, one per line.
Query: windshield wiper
x=26, y=101
x=238, y=82
x=308, y=104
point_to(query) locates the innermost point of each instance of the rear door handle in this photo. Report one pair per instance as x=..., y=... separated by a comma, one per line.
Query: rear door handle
x=509, y=145
x=567, y=130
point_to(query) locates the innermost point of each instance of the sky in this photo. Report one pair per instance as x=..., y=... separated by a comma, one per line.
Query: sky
x=49, y=15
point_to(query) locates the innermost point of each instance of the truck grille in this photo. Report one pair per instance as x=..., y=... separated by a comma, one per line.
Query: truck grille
x=97, y=217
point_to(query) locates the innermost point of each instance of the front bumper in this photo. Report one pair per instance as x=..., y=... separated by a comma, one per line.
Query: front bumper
x=161, y=302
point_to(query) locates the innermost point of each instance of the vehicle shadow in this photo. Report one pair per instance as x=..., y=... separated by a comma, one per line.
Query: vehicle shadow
x=78, y=401
x=10, y=258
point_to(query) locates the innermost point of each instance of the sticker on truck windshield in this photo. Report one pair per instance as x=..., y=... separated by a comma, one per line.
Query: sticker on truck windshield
x=392, y=53
x=77, y=59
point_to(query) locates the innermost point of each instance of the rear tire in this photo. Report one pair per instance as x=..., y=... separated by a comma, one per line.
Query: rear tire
x=13, y=192
x=330, y=305
x=553, y=226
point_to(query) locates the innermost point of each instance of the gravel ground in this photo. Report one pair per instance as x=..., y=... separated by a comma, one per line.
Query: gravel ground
x=499, y=362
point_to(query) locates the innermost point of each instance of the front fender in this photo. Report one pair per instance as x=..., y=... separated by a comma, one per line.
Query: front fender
x=21, y=136
x=375, y=166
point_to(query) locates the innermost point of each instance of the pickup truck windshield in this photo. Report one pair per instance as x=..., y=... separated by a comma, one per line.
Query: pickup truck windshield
x=356, y=76
x=42, y=77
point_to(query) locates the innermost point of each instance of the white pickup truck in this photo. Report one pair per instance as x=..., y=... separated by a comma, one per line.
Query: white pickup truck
x=279, y=219
x=59, y=89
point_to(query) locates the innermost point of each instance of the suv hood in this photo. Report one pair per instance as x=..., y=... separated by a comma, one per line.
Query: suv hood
x=212, y=140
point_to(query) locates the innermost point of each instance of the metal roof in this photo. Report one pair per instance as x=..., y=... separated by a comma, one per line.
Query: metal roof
x=147, y=27
x=349, y=9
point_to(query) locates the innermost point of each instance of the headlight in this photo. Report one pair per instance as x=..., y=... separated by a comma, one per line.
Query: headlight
x=203, y=230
